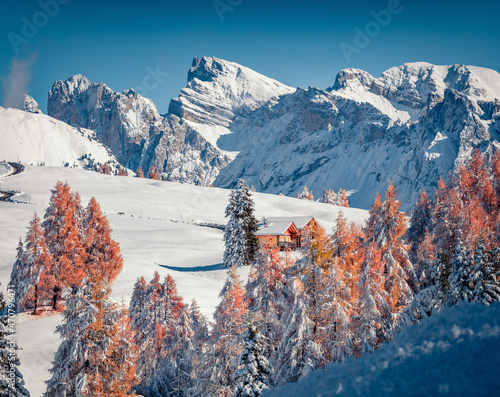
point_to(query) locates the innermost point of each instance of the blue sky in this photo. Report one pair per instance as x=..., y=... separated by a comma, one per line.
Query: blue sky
x=296, y=42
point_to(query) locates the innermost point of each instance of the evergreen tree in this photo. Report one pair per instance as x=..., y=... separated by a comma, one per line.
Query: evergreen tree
x=426, y=271
x=81, y=365
x=420, y=223
x=375, y=321
x=486, y=284
x=459, y=279
x=138, y=302
x=254, y=370
x=265, y=296
x=220, y=362
x=178, y=364
x=386, y=228
x=241, y=244
x=11, y=379
x=305, y=195
x=298, y=353
x=199, y=326
x=29, y=268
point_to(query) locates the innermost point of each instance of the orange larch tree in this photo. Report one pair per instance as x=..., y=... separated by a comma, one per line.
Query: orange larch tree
x=64, y=239
x=100, y=249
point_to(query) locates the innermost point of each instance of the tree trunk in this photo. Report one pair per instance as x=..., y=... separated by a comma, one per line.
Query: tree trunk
x=36, y=300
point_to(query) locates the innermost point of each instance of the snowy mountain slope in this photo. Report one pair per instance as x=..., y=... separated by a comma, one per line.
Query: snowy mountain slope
x=150, y=234
x=412, y=125
x=455, y=352
x=33, y=138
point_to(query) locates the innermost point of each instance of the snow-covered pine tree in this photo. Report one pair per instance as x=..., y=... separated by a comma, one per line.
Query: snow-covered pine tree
x=239, y=235
x=11, y=379
x=486, y=284
x=336, y=310
x=99, y=247
x=199, y=325
x=137, y=302
x=152, y=325
x=298, y=353
x=386, y=228
x=265, y=294
x=305, y=195
x=426, y=268
x=319, y=259
x=420, y=223
x=32, y=261
x=81, y=366
x=179, y=350
x=446, y=217
x=216, y=373
x=459, y=279
x=17, y=275
x=253, y=375
x=122, y=356
x=374, y=324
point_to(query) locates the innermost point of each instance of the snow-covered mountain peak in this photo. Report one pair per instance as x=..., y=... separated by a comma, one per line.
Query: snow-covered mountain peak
x=30, y=105
x=122, y=121
x=217, y=89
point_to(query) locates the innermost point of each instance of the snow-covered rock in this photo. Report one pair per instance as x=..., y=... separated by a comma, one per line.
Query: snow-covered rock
x=124, y=122
x=30, y=105
x=413, y=124
x=37, y=138
x=455, y=352
x=218, y=90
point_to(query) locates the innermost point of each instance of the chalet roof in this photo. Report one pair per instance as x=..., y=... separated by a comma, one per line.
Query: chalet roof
x=299, y=221
x=275, y=228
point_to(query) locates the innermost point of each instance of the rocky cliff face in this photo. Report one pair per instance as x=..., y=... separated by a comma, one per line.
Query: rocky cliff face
x=182, y=146
x=413, y=124
x=124, y=122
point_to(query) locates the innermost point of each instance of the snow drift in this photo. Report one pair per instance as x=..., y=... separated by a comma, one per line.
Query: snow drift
x=455, y=352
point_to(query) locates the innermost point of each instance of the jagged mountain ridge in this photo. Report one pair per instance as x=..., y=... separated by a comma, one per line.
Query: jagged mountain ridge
x=413, y=124
x=180, y=145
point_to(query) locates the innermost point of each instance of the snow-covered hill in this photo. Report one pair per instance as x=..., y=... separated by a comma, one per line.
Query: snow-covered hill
x=36, y=138
x=455, y=353
x=155, y=233
x=412, y=125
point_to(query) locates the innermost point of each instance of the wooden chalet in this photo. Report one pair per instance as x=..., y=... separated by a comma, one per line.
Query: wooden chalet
x=284, y=232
